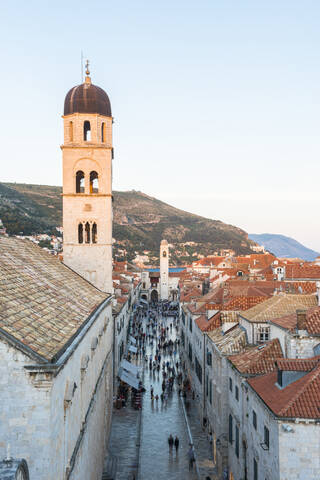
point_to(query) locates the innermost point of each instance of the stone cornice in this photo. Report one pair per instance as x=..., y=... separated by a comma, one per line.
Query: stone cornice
x=86, y=195
x=73, y=146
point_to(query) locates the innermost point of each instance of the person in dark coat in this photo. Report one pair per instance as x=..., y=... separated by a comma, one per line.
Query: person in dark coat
x=176, y=444
x=170, y=441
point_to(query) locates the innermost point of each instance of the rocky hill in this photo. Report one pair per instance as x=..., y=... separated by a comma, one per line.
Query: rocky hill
x=140, y=222
x=283, y=246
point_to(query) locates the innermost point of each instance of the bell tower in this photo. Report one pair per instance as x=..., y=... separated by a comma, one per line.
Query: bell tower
x=87, y=183
x=164, y=270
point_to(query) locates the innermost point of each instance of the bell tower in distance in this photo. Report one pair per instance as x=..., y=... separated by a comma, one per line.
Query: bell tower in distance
x=164, y=270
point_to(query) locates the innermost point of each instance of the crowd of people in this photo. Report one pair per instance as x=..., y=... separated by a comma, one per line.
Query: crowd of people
x=155, y=331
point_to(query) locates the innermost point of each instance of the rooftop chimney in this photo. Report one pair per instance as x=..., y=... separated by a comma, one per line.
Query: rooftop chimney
x=301, y=319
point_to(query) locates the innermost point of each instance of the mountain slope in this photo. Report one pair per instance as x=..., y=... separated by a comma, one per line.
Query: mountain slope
x=283, y=246
x=139, y=223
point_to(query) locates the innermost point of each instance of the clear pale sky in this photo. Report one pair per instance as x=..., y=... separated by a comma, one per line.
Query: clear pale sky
x=216, y=103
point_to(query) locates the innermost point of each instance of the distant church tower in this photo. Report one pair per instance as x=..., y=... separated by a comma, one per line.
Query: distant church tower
x=87, y=183
x=164, y=270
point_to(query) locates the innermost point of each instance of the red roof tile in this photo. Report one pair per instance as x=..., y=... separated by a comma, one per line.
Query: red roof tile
x=302, y=271
x=206, y=325
x=258, y=360
x=298, y=364
x=289, y=322
x=300, y=399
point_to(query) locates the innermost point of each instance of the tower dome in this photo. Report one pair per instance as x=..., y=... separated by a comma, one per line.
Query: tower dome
x=87, y=98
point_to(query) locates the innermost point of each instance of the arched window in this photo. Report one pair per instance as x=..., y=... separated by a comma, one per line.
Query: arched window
x=80, y=182
x=71, y=131
x=94, y=183
x=87, y=131
x=80, y=233
x=87, y=230
x=103, y=132
x=94, y=233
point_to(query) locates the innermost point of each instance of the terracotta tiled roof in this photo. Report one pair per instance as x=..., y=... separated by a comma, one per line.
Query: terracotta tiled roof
x=116, y=276
x=257, y=261
x=313, y=321
x=258, y=360
x=119, y=266
x=206, y=325
x=289, y=322
x=122, y=300
x=231, y=342
x=243, y=303
x=279, y=306
x=298, y=364
x=302, y=271
x=42, y=302
x=300, y=399
x=194, y=293
x=208, y=261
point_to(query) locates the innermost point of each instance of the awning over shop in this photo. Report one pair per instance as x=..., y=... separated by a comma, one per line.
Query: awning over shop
x=133, y=349
x=142, y=300
x=132, y=340
x=130, y=367
x=129, y=379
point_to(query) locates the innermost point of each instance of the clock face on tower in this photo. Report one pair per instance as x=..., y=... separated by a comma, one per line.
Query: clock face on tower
x=164, y=254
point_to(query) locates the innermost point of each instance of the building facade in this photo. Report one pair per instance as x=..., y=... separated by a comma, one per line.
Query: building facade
x=56, y=344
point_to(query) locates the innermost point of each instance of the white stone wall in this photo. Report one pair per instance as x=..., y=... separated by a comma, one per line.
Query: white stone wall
x=294, y=345
x=267, y=460
x=238, y=410
x=249, y=328
x=24, y=411
x=292, y=455
x=217, y=411
x=42, y=421
x=299, y=451
x=252, y=329
x=277, y=332
x=121, y=325
x=301, y=346
x=197, y=347
x=67, y=418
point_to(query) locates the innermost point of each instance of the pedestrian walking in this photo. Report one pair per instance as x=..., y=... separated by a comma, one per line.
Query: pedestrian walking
x=176, y=444
x=191, y=457
x=170, y=442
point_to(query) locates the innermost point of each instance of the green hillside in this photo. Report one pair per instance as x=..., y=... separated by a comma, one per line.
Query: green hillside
x=140, y=222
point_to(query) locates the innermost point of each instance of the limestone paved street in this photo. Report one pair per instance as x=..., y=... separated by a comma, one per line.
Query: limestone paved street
x=124, y=441
x=158, y=419
x=204, y=454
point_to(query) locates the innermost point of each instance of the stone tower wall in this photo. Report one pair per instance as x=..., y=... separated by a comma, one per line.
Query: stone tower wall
x=93, y=261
